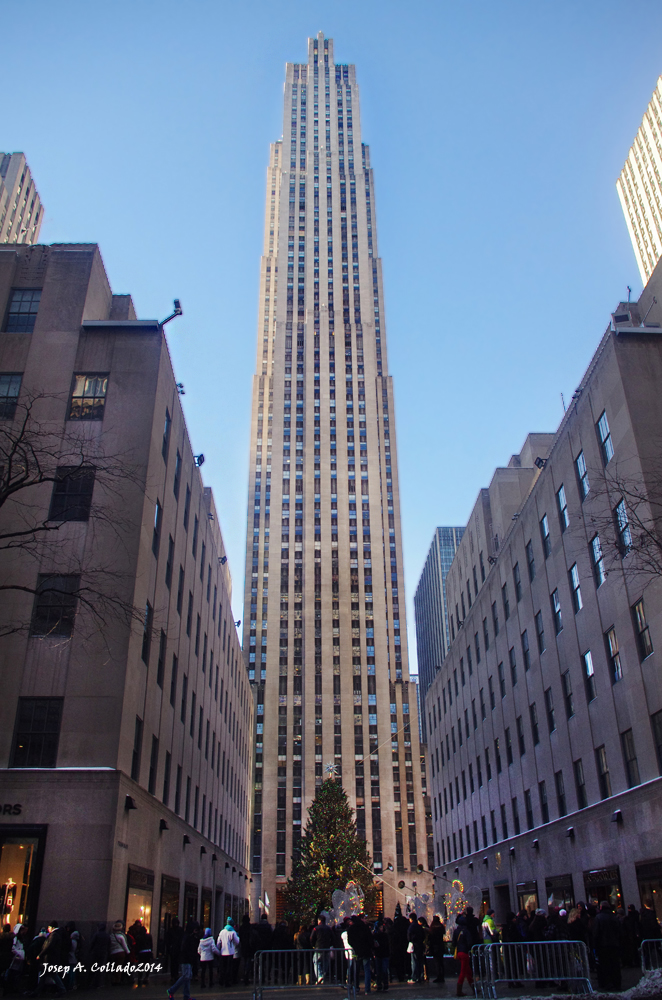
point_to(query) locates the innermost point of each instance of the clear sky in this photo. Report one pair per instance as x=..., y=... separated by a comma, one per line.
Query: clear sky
x=497, y=131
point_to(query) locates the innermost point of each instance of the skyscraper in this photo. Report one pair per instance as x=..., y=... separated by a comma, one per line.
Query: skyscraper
x=21, y=211
x=325, y=643
x=433, y=636
x=640, y=188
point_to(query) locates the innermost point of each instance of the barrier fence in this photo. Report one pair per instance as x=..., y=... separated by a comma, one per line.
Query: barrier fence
x=516, y=964
x=291, y=970
x=651, y=954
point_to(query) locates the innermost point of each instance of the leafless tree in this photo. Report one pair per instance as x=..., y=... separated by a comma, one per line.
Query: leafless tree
x=38, y=460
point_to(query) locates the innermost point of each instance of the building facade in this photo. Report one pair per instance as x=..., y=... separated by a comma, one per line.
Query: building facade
x=430, y=608
x=325, y=639
x=640, y=188
x=21, y=211
x=126, y=714
x=545, y=721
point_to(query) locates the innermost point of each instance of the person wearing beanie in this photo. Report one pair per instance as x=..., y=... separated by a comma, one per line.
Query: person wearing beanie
x=489, y=928
x=228, y=943
x=207, y=951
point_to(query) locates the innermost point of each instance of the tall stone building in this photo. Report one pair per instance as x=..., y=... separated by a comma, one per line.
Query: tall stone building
x=431, y=609
x=640, y=188
x=545, y=721
x=21, y=211
x=325, y=638
x=126, y=712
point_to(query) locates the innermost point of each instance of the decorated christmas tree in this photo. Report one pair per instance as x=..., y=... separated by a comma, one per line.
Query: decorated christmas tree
x=331, y=856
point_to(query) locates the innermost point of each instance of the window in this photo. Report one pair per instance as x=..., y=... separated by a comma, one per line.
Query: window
x=544, y=534
x=656, y=725
x=540, y=632
x=173, y=680
x=562, y=507
x=23, y=308
x=147, y=631
x=526, y=652
x=486, y=634
x=589, y=675
x=482, y=567
x=495, y=618
x=502, y=680
x=37, y=732
x=491, y=690
x=158, y=519
x=567, y=695
x=556, y=611
x=137, y=748
x=530, y=560
x=55, y=605
x=477, y=645
x=509, y=747
x=613, y=655
x=497, y=755
x=528, y=804
x=630, y=758
x=189, y=614
x=178, y=475
x=479, y=772
x=598, y=561
x=516, y=823
x=582, y=475
x=517, y=580
x=520, y=736
x=166, y=779
x=196, y=528
x=603, y=772
x=153, y=764
x=71, y=499
x=580, y=784
x=88, y=397
x=166, y=434
x=641, y=630
x=544, y=805
x=535, y=731
x=180, y=590
x=549, y=709
x=506, y=604
x=575, y=589
x=182, y=713
x=604, y=436
x=495, y=835
x=504, y=822
x=160, y=666
x=10, y=386
x=171, y=555
x=483, y=713
x=513, y=666
x=623, y=528
x=187, y=507
x=560, y=793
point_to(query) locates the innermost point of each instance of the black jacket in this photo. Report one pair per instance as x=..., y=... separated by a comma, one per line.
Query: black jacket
x=189, y=952
x=360, y=940
x=606, y=930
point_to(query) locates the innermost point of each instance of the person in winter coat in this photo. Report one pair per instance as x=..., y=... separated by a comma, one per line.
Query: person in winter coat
x=489, y=928
x=607, y=944
x=321, y=940
x=416, y=948
x=173, y=947
x=247, y=945
x=437, y=947
x=6, y=944
x=473, y=925
x=382, y=953
x=17, y=963
x=52, y=953
x=145, y=955
x=361, y=942
x=302, y=944
x=119, y=948
x=72, y=937
x=32, y=959
x=188, y=954
x=207, y=951
x=399, y=957
x=99, y=951
x=228, y=943
x=463, y=943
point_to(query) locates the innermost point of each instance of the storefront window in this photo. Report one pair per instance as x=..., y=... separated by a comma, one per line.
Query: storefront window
x=205, y=909
x=169, y=908
x=603, y=883
x=560, y=892
x=190, y=902
x=649, y=877
x=527, y=896
x=18, y=876
x=140, y=894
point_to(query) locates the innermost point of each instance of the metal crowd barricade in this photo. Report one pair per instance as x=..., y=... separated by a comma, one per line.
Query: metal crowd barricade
x=502, y=963
x=651, y=954
x=303, y=969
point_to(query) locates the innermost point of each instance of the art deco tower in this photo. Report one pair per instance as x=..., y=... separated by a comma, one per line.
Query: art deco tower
x=324, y=579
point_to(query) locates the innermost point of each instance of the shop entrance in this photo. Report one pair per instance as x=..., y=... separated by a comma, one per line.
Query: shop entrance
x=649, y=879
x=603, y=883
x=560, y=892
x=21, y=858
x=205, y=908
x=169, y=908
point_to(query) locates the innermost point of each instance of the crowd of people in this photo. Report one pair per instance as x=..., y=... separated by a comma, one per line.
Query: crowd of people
x=368, y=954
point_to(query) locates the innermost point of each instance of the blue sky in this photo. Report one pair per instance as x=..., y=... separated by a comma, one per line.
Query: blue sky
x=497, y=131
